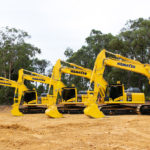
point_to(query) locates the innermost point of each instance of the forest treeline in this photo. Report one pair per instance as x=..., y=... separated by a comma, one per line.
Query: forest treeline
x=133, y=41
x=16, y=53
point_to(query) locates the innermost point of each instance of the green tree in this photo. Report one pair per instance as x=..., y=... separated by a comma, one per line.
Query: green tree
x=41, y=65
x=16, y=53
x=133, y=42
x=86, y=55
x=68, y=52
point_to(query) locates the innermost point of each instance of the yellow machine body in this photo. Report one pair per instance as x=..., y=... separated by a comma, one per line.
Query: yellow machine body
x=48, y=100
x=95, y=76
x=21, y=91
x=92, y=109
x=101, y=86
x=115, y=94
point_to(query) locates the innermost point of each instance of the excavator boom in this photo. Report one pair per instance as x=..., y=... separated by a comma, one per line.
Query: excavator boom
x=8, y=82
x=128, y=64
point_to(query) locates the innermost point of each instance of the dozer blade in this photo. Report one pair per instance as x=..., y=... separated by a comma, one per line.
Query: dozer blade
x=93, y=111
x=53, y=112
x=15, y=111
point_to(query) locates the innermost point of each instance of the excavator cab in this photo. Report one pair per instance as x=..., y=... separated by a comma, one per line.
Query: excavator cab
x=114, y=91
x=30, y=96
x=69, y=94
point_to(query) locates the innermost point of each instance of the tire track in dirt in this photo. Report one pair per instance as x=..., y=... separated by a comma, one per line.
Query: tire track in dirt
x=14, y=127
x=138, y=133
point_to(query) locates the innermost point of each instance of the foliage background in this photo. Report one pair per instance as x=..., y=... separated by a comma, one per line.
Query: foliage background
x=133, y=42
x=16, y=53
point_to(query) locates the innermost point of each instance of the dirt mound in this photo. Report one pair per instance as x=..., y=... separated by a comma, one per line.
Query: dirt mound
x=5, y=108
x=37, y=131
x=14, y=127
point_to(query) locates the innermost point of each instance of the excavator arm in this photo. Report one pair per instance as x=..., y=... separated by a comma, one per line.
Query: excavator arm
x=19, y=90
x=8, y=82
x=76, y=70
x=128, y=64
x=32, y=76
x=58, y=69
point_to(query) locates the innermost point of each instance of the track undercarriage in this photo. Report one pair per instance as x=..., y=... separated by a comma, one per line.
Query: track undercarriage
x=107, y=109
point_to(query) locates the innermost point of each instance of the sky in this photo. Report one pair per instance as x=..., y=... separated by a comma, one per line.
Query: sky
x=55, y=25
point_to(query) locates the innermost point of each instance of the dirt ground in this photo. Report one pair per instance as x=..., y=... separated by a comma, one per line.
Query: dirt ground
x=73, y=132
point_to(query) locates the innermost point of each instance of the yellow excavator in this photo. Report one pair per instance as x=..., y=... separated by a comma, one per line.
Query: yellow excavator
x=23, y=96
x=21, y=91
x=115, y=94
x=92, y=110
x=109, y=94
x=73, y=69
x=58, y=69
x=31, y=101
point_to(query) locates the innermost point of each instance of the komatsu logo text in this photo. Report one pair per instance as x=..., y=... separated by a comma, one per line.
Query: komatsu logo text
x=79, y=72
x=126, y=65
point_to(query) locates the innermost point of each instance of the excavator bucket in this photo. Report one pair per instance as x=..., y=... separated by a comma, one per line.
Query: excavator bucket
x=53, y=112
x=15, y=111
x=93, y=111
